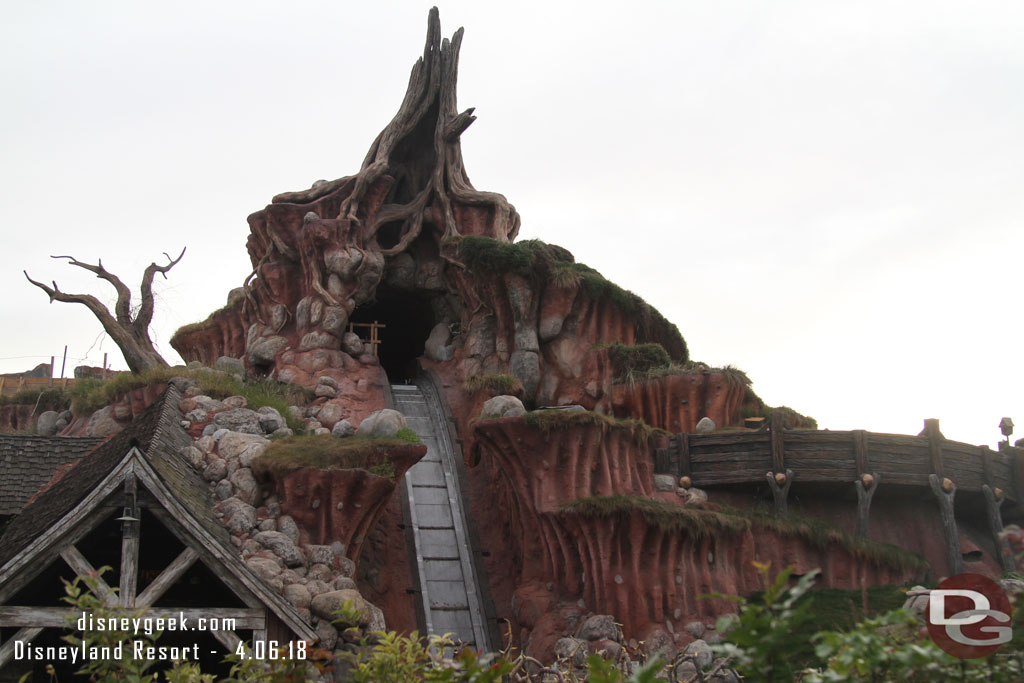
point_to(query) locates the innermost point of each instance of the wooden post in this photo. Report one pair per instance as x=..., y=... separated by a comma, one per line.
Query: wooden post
x=685, y=469
x=986, y=464
x=661, y=463
x=993, y=500
x=778, y=447
x=866, y=485
x=860, y=451
x=63, y=363
x=935, y=438
x=104, y=365
x=51, y=371
x=129, y=544
x=945, y=490
x=779, y=484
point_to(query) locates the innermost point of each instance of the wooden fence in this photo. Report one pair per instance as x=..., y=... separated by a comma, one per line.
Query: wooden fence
x=777, y=456
x=12, y=385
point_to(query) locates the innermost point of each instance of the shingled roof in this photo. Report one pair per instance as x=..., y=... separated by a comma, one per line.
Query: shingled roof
x=151, y=447
x=28, y=462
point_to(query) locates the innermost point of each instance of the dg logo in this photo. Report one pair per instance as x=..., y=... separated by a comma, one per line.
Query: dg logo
x=969, y=616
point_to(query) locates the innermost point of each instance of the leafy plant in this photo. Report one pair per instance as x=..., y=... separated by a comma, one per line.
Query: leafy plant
x=759, y=638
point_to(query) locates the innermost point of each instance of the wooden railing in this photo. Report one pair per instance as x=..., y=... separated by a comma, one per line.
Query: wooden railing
x=777, y=457
x=12, y=385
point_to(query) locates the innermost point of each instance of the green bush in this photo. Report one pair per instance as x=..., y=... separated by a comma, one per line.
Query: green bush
x=327, y=452
x=42, y=399
x=498, y=384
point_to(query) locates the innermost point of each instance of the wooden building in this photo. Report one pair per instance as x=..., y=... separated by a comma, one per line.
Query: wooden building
x=134, y=504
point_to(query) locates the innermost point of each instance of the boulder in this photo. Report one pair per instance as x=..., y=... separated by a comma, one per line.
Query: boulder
x=572, y=649
x=245, y=485
x=233, y=366
x=102, y=423
x=352, y=344
x=264, y=349
x=282, y=546
x=233, y=402
x=326, y=606
x=665, y=482
x=238, y=516
x=266, y=569
x=46, y=424
x=702, y=651
x=330, y=414
x=298, y=595
x=705, y=425
x=382, y=423
x=598, y=627
x=343, y=428
x=270, y=419
x=243, y=447
x=436, y=346
x=238, y=420
x=503, y=406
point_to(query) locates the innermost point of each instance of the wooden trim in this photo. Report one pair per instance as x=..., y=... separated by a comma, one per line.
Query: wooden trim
x=995, y=525
x=986, y=465
x=685, y=467
x=57, y=617
x=167, y=577
x=954, y=558
x=7, y=649
x=864, y=495
x=81, y=566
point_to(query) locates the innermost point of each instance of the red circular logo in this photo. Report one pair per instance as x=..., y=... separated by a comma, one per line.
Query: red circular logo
x=969, y=616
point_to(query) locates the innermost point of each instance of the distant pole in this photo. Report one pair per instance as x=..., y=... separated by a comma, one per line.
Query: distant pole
x=51, y=371
x=64, y=362
x=104, y=365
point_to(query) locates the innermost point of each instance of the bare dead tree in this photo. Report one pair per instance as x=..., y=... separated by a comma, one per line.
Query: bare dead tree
x=131, y=334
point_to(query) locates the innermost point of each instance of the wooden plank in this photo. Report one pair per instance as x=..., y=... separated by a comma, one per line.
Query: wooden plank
x=57, y=617
x=860, y=451
x=167, y=577
x=954, y=558
x=24, y=635
x=778, y=444
x=81, y=566
x=995, y=525
x=931, y=430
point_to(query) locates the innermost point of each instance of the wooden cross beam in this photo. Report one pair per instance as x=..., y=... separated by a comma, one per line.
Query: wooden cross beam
x=374, y=339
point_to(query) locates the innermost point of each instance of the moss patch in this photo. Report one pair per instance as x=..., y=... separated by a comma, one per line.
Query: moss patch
x=701, y=522
x=754, y=406
x=694, y=521
x=499, y=384
x=43, y=399
x=326, y=452
x=89, y=395
x=551, y=420
x=539, y=262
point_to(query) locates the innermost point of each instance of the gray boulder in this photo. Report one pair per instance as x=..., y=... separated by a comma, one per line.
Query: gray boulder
x=382, y=423
x=46, y=425
x=503, y=406
x=282, y=546
x=233, y=366
x=102, y=423
x=702, y=652
x=343, y=428
x=665, y=482
x=705, y=425
x=437, y=346
x=270, y=420
x=352, y=344
x=239, y=420
x=598, y=627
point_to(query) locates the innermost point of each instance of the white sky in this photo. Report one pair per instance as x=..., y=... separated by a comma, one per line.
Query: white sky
x=826, y=195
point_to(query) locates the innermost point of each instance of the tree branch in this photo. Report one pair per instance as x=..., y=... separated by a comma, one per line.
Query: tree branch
x=145, y=316
x=123, y=307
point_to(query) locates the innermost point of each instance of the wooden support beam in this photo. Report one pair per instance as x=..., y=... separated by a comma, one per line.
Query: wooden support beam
x=986, y=465
x=866, y=485
x=130, y=531
x=779, y=484
x=24, y=635
x=935, y=439
x=775, y=425
x=83, y=567
x=945, y=491
x=245, y=618
x=661, y=461
x=229, y=639
x=993, y=500
x=167, y=577
x=860, y=451
x=685, y=468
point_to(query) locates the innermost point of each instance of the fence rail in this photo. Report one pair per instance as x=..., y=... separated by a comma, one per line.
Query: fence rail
x=12, y=385
x=779, y=456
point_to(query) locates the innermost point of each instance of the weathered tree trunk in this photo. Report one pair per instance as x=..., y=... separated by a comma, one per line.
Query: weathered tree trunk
x=130, y=334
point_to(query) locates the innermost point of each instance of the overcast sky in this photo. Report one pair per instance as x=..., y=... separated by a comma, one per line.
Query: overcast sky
x=826, y=195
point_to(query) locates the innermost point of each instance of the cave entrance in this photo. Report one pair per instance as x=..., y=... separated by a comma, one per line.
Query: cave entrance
x=406, y=320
